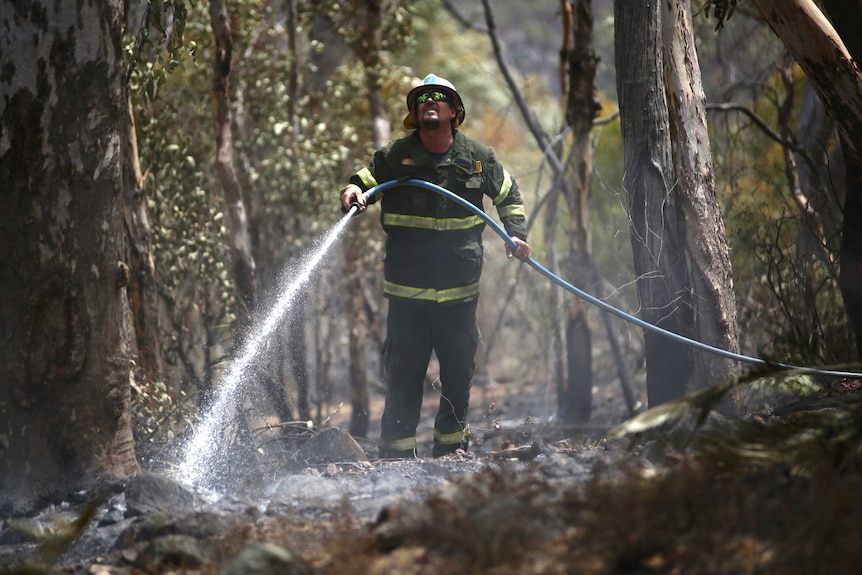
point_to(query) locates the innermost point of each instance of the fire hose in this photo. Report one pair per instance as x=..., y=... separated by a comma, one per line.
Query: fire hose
x=601, y=304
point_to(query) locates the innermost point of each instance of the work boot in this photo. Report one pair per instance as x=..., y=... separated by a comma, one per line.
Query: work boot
x=397, y=453
x=442, y=450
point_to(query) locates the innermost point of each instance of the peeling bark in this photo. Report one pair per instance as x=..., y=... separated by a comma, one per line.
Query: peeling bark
x=141, y=290
x=705, y=237
x=820, y=51
x=657, y=233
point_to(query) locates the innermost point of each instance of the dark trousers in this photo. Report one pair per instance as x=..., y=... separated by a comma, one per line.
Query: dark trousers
x=413, y=330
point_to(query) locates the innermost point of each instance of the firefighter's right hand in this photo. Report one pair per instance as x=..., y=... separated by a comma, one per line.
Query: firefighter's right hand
x=351, y=196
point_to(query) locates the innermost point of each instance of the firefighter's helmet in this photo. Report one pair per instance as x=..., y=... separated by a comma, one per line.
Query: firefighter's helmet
x=433, y=81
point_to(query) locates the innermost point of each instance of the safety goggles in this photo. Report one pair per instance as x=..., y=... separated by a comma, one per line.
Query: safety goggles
x=436, y=96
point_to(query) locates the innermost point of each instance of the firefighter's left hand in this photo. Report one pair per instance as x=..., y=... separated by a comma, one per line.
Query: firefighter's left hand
x=522, y=252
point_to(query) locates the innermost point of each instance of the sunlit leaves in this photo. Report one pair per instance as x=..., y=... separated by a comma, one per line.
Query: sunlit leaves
x=158, y=46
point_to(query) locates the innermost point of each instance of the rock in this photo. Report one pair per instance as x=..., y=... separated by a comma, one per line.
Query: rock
x=21, y=530
x=366, y=491
x=199, y=525
x=172, y=552
x=268, y=559
x=149, y=493
x=112, y=511
x=330, y=445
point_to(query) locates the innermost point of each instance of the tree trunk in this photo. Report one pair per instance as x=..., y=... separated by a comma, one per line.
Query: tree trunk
x=556, y=357
x=243, y=262
x=142, y=289
x=143, y=297
x=851, y=248
x=298, y=353
x=656, y=231
x=581, y=109
x=817, y=48
x=369, y=53
x=705, y=236
x=359, y=400
x=64, y=317
x=846, y=16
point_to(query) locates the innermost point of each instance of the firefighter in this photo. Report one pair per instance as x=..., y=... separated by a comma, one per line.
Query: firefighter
x=433, y=261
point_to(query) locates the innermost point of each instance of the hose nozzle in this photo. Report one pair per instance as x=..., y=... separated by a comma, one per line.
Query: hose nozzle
x=357, y=206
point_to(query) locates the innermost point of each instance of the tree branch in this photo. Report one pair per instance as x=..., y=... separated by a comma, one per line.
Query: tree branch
x=462, y=19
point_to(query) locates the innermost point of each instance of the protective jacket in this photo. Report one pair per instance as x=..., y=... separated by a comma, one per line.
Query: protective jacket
x=434, y=248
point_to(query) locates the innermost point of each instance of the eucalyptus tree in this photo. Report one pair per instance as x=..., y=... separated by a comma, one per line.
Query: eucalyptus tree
x=657, y=233
x=678, y=241
x=243, y=264
x=579, y=63
x=706, y=246
x=64, y=316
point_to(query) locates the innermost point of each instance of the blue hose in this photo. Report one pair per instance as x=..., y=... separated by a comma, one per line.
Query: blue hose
x=594, y=300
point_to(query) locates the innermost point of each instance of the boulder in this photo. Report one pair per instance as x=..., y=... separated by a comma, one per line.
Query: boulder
x=268, y=559
x=149, y=493
x=330, y=445
x=198, y=524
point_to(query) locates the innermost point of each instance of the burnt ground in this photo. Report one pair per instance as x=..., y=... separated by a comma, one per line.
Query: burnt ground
x=535, y=497
x=532, y=497
x=505, y=415
x=513, y=429
x=514, y=426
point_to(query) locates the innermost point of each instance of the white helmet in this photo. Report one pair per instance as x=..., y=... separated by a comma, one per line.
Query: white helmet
x=442, y=84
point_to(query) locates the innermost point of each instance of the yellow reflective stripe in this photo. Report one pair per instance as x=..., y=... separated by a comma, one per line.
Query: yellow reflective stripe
x=513, y=210
x=451, y=438
x=425, y=223
x=367, y=177
x=431, y=294
x=406, y=444
x=504, y=189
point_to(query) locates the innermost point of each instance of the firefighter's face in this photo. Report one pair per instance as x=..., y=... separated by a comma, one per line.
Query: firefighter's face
x=433, y=108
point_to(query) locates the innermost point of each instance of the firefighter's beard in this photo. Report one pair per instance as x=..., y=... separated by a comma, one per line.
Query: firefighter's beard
x=431, y=124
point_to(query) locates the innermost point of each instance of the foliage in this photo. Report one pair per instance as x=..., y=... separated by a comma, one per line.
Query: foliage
x=721, y=10
x=785, y=266
x=157, y=416
x=347, y=18
x=806, y=319
x=168, y=87
x=151, y=59
x=293, y=150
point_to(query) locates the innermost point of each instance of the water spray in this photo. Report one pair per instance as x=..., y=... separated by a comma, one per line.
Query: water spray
x=355, y=207
x=204, y=454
